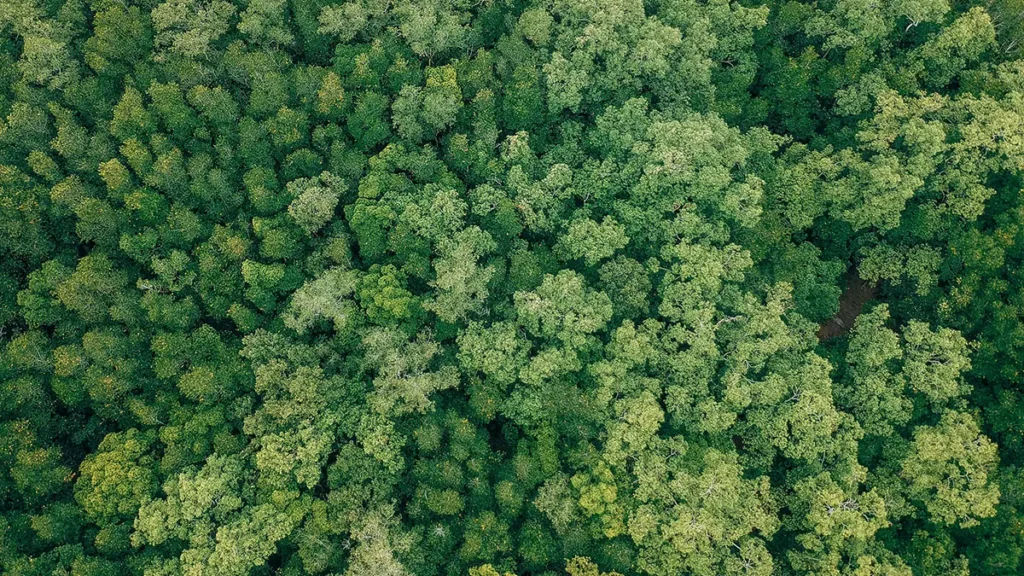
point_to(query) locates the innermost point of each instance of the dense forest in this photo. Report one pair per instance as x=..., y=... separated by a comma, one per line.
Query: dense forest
x=511, y=287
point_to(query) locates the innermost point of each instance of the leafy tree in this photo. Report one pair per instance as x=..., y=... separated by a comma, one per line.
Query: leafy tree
x=954, y=460
x=315, y=200
x=118, y=479
x=462, y=285
x=592, y=241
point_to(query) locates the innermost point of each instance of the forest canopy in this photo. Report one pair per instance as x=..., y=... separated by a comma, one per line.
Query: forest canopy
x=511, y=287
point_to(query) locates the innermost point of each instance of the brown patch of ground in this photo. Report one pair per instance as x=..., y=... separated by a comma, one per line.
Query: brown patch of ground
x=858, y=292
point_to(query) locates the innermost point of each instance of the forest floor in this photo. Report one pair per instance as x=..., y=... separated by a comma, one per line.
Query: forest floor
x=858, y=292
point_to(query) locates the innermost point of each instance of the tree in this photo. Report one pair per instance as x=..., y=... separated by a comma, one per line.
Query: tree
x=119, y=478
x=719, y=516
x=834, y=522
x=563, y=308
x=329, y=296
x=591, y=241
x=948, y=470
x=290, y=444
x=121, y=36
x=403, y=381
x=315, y=200
x=462, y=285
x=264, y=22
x=875, y=391
x=190, y=28
x=96, y=291
x=378, y=545
x=934, y=361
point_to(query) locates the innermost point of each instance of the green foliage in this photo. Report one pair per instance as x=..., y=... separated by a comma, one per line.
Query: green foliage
x=954, y=460
x=447, y=287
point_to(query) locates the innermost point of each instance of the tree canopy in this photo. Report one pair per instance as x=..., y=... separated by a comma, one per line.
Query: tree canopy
x=511, y=287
